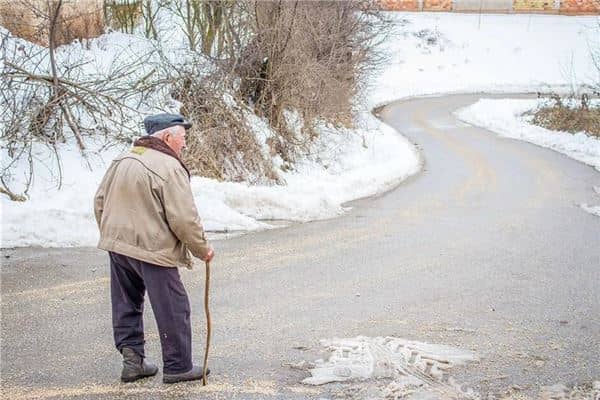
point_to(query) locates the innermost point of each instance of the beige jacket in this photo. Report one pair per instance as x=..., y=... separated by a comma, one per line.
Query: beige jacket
x=145, y=209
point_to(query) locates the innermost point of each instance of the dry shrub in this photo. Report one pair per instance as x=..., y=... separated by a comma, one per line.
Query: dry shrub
x=562, y=117
x=220, y=144
x=29, y=19
x=19, y=20
x=277, y=56
x=309, y=57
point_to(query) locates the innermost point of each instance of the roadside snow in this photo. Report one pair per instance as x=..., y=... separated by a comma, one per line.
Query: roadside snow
x=433, y=53
x=57, y=218
x=343, y=167
x=595, y=210
x=505, y=117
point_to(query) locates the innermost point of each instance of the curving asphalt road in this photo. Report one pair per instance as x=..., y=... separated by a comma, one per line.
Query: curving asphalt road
x=486, y=249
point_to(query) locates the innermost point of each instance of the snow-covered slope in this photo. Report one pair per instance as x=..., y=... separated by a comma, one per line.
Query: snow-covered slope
x=441, y=53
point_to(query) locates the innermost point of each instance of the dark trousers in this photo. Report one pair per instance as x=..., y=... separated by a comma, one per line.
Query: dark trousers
x=129, y=279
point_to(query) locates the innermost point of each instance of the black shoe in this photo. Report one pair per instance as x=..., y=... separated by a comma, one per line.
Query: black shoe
x=192, y=375
x=135, y=366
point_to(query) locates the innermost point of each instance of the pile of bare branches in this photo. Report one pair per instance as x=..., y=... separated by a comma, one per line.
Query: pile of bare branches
x=47, y=102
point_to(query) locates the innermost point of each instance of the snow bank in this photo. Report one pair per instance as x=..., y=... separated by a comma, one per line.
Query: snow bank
x=52, y=217
x=345, y=165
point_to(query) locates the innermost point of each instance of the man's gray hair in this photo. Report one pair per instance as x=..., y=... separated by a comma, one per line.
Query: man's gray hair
x=175, y=132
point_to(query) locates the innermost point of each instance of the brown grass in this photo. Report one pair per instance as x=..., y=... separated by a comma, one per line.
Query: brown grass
x=29, y=19
x=560, y=117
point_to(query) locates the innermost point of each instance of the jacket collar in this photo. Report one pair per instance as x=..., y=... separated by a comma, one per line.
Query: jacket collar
x=157, y=144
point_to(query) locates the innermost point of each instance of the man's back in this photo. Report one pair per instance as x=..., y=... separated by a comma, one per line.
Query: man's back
x=138, y=209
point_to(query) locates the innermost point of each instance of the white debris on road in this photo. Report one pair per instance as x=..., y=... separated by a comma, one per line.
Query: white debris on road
x=393, y=368
x=390, y=367
x=593, y=209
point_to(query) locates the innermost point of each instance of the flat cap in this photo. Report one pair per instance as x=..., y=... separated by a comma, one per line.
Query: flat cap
x=155, y=123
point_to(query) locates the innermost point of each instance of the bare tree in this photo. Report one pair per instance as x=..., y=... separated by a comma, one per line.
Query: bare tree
x=149, y=13
x=212, y=27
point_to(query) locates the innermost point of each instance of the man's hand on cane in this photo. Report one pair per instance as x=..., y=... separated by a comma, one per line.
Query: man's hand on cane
x=209, y=255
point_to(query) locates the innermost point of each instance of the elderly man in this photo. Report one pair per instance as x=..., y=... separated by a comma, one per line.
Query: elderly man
x=149, y=225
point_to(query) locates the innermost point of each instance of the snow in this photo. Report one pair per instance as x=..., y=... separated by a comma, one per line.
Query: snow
x=317, y=190
x=433, y=53
x=505, y=117
x=487, y=53
x=57, y=218
x=595, y=210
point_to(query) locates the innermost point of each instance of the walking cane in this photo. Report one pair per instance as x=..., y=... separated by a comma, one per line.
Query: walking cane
x=207, y=312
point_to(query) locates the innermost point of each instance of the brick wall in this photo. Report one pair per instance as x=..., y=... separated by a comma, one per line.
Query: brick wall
x=400, y=5
x=571, y=7
x=580, y=6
